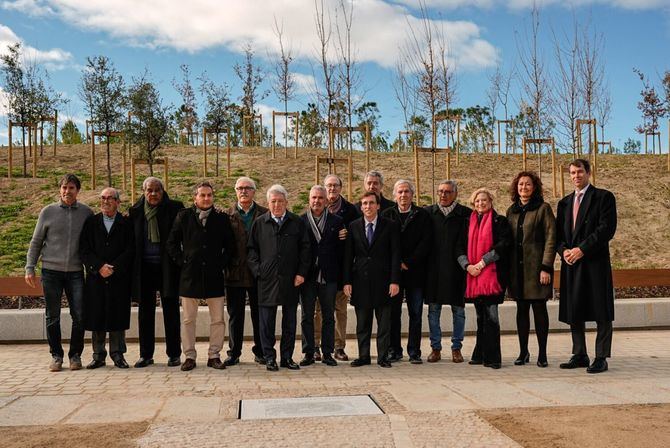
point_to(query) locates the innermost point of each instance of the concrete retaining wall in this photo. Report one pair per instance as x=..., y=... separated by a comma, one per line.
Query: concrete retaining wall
x=28, y=325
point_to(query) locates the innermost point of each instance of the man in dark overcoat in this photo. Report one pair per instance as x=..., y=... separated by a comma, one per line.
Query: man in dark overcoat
x=203, y=244
x=327, y=250
x=445, y=283
x=372, y=276
x=240, y=283
x=586, y=221
x=415, y=242
x=279, y=256
x=152, y=217
x=106, y=247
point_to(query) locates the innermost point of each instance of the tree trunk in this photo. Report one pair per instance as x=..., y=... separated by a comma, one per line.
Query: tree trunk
x=109, y=164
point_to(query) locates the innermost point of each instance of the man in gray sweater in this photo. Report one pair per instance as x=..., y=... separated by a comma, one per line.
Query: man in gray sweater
x=56, y=240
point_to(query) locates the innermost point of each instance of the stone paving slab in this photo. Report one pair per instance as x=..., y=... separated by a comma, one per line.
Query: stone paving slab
x=428, y=405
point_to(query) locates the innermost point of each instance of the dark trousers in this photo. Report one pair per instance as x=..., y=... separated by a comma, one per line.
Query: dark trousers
x=603, y=339
x=53, y=284
x=117, y=344
x=487, y=346
x=364, y=330
x=325, y=293
x=146, y=315
x=541, y=326
x=267, y=318
x=236, y=301
x=414, y=300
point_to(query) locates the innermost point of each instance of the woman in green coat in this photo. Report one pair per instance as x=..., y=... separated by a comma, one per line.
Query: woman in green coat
x=532, y=261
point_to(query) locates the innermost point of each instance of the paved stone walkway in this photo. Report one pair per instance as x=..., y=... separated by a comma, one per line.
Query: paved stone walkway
x=424, y=405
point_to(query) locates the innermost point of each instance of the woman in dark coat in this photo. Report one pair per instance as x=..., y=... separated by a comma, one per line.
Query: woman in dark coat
x=486, y=262
x=532, y=261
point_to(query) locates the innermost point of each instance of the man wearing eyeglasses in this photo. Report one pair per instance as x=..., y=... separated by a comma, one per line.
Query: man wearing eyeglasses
x=446, y=280
x=240, y=282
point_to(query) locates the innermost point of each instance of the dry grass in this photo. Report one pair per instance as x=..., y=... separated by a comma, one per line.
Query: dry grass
x=641, y=185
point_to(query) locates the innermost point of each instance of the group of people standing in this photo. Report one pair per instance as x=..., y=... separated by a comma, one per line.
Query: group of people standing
x=375, y=254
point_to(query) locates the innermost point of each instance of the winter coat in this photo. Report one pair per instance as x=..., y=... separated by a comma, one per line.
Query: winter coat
x=238, y=273
x=167, y=213
x=107, y=300
x=445, y=283
x=276, y=255
x=534, y=232
x=329, y=251
x=587, y=290
x=202, y=252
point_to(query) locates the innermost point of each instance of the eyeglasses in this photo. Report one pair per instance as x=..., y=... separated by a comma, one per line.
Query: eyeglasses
x=333, y=186
x=443, y=192
x=245, y=188
x=108, y=198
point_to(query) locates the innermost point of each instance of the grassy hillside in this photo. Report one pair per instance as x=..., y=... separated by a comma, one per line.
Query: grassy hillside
x=641, y=185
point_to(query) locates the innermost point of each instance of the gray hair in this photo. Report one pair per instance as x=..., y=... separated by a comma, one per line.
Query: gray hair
x=451, y=183
x=375, y=173
x=328, y=176
x=276, y=189
x=117, y=196
x=152, y=180
x=399, y=182
x=245, y=179
x=321, y=188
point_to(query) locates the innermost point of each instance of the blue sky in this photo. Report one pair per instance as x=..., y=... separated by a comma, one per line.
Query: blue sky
x=161, y=35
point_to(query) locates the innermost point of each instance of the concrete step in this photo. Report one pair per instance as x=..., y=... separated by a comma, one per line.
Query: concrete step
x=29, y=325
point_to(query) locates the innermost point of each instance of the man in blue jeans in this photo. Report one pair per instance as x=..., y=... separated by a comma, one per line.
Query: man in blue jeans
x=56, y=240
x=445, y=284
x=415, y=241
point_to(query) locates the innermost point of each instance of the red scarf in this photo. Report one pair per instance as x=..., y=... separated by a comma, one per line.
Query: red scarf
x=480, y=241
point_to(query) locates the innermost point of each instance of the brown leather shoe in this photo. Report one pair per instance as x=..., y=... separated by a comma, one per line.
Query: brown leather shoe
x=189, y=364
x=341, y=355
x=456, y=355
x=216, y=363
x=434, y=356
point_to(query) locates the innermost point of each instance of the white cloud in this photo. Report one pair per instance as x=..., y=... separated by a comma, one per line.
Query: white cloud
x=4, y=103
x=378, y=30
x=523, y=4
x=304, y=84
x=54, y=59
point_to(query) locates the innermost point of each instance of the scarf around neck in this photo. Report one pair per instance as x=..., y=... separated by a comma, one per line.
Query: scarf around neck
x=151, y=215
x=203, y=215
x=480, y=241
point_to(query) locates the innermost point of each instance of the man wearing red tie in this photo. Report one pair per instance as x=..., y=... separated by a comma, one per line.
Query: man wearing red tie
x=585, y=223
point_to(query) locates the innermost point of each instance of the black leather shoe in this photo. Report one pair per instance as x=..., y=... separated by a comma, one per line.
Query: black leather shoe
x=576, y=362
x=358, y=362
x=306, y=361
x=230, y=361
x=416, y=359
x=542, y=363
x=289, y=364
x=599, y=365
x=189, y=364
x=271, y=365
x=394, y=356
x=328, y=360
x=384, y=363
x=475, y=362
x=259, y=360
x=96, y=363
x=121, y=363
x=522, y=360
x=172, y=362
x=143, y=362
x=493, y=365
x=215, y=363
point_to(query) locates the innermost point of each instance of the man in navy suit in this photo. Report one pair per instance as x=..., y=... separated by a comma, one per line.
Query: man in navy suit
x=372, y=276
x=324, y=234
x=585, y=223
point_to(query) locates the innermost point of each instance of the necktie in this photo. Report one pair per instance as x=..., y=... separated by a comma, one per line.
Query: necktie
x=575, y=207
x=370, y=233
x=279, y=220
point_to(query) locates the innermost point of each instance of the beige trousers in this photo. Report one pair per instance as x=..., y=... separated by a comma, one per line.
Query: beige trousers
x=217, y=326
x=341, y=302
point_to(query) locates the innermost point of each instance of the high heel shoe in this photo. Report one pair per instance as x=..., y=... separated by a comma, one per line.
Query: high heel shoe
x=521, y=360
x=542, y=363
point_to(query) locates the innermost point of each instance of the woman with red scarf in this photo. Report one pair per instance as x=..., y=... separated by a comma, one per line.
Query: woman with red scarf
x=489, y=239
